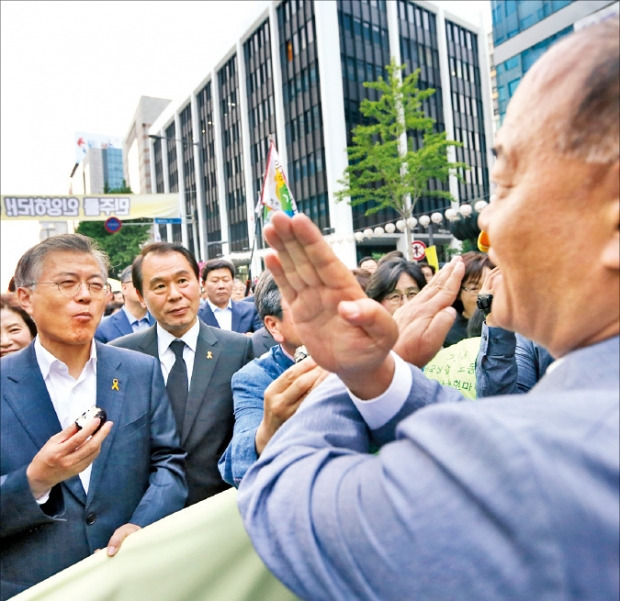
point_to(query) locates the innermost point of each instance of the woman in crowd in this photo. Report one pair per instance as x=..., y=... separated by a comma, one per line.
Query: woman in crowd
x=395, y=282
x=17, y=329
x=477, y=265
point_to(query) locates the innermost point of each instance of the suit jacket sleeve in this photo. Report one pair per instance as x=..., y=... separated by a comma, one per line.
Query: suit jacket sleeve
x=248, y=388
x=167, y=490
x=461, y=504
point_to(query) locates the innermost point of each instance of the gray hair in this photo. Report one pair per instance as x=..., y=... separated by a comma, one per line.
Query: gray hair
x=267, y=296
x=29, y=267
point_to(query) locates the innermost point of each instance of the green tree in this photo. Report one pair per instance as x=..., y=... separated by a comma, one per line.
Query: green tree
x=122, y=246
x=382, y=170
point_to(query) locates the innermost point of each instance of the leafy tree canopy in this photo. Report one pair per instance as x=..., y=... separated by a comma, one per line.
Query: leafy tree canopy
x=381, y=171
x=122, y=246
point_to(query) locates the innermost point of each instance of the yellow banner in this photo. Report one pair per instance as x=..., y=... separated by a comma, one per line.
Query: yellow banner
x=431, y=257
x=90, y=207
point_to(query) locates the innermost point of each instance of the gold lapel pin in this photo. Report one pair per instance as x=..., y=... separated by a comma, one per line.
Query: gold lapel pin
x=209, y=355
x=115, y=385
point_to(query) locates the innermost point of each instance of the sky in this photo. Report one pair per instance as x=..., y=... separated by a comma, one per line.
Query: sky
x=68, y=67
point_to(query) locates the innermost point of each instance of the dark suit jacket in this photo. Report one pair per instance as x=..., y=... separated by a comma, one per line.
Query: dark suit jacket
x=116, y=325
x=137, y=477
x=209, y=418
x=262, y=341
x=245, y=317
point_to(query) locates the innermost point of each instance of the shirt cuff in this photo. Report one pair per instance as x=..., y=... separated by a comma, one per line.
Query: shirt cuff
x=379, y=411
x=43, y=499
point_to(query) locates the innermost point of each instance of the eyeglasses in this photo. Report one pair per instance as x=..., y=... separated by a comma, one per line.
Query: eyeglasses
x=396, y=297
x=471, y=289
x=71, y=288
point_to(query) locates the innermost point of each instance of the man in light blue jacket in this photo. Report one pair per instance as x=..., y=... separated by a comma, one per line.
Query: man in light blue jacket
x=268, y=390
x=510, y=498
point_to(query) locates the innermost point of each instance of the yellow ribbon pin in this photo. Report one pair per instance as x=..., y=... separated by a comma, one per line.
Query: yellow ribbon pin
x=209, y=355
x=115, y=385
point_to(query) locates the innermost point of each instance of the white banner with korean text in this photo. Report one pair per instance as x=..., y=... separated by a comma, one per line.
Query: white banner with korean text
x=90, y=207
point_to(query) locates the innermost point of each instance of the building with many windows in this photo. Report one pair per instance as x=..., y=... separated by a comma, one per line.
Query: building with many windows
x=297, y=75
x=524, y=29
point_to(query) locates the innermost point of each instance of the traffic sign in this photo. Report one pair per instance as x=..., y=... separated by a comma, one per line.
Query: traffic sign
x=113, y=225
x=418, y=249
x=164, y=220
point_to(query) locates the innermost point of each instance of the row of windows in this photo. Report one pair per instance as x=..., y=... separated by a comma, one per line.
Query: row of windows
x=469, y=139
x=258, y=40
x=305, y=123
x=511, y=17
x=461, y=36
x=462, y=70
x=464, y=104
x=257, y=78
x=307, y=166
x=364, y=30
x=262, y=111
x=302, y=82
x=510, y=72
x=416, y=15
x=300, y=40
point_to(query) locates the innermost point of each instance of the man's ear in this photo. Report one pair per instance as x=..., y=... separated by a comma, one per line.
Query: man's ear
x=141, y=299
x=610, y=256
x=611, y=249
x=24, y=295
x=273, y=327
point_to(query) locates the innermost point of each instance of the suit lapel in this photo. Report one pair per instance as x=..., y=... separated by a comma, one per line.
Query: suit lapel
x=208, y=317
x=205, y=362
x=31, y=402
x=122, y=323
x=236, y=317
x=112, y=386
x=148, y=343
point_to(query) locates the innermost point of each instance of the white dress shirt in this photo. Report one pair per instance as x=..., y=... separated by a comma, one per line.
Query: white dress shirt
x=379, y=411
x=135, y=323
x=167, y=356
x=70, y=397
x=223, y=316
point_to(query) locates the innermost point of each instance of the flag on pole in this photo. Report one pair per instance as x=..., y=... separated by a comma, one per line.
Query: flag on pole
x=276, y=194
x=431, y=257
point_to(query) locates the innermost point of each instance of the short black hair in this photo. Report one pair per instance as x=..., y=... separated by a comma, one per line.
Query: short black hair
x=213, y=264
x=159, y=248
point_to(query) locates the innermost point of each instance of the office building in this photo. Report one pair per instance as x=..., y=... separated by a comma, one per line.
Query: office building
x=524, y=29
x=297, y=74
x=98, y=165
x=136, y=154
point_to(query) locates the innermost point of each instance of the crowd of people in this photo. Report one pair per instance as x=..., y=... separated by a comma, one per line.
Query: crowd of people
x=337, y=400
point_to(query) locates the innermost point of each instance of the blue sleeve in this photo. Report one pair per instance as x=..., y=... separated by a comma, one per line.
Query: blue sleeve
x=496, y=366
x=167, y=489
x=248, y=388
x=434, y=501
x=532, y=363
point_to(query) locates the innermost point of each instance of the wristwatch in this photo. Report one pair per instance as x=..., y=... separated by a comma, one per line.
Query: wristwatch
x=484, y=302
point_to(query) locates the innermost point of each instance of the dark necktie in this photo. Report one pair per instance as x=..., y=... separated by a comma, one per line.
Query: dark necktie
x=177, y=383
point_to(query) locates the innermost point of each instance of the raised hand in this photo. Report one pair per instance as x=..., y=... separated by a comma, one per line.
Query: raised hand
x=65, y=455
x=284, y=395
x=345, y=332
x=424, y=321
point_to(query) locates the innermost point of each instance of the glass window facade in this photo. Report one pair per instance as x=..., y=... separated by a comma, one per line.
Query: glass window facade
x=511, y=17
x=234, y=187
x=261, y=104
x=173, y=173
x=112, y=167
x=159, y=177
x=209, y=170
x=467, y=111
x=510, y=72
x=186, y=148
x=302, y=110
x=419, y=50
x=364, y=54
